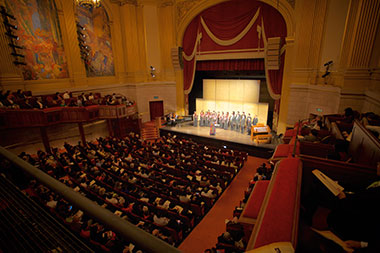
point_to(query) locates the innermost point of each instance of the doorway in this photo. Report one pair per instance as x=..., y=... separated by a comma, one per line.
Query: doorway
x=156, y=109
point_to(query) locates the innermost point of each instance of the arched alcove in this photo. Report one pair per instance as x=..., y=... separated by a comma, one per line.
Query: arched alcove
x=96, y=41
x=282, y=6
x=39, y=33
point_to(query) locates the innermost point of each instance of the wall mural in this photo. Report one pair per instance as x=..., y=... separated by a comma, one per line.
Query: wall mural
x=40, y=34
x=97, y=33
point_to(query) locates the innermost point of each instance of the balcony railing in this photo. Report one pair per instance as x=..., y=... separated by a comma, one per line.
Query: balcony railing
x=18, y=118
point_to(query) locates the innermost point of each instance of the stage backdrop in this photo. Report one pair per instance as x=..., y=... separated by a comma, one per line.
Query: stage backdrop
x=232, y=95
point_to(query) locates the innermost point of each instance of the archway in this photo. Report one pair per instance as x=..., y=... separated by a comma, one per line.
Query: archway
x=236, y=31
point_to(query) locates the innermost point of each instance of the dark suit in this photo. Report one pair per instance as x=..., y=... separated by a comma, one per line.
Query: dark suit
x=357, y=218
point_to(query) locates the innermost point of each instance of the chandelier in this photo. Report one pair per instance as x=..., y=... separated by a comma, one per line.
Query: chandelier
x=88, y=3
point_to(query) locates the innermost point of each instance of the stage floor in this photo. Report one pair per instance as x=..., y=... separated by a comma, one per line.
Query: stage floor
x=221, y=135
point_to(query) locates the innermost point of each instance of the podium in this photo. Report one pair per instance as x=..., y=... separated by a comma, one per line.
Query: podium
x=261, y=134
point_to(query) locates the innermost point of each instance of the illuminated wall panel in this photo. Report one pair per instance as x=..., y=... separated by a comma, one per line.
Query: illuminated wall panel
x=251, y=91
x=222, y=90
x=232, y=95
x=209, y=89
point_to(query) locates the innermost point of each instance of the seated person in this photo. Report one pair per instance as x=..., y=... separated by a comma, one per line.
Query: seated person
x=353, y=217
x=311, y=137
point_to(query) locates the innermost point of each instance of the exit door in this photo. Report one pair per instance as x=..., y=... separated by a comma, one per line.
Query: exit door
x=156, y=109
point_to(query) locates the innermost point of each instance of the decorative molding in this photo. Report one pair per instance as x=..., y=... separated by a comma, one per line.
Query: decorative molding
x=123, y=2
x=292, y=3
x=375, y=74
x=357, y=73
x=166, y=3
x=183, y=7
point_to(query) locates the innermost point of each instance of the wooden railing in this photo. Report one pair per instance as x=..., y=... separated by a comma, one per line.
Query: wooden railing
x=18, y=118
x=364, y=146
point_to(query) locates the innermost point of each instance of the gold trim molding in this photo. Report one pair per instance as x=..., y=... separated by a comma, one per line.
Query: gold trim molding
x=123, y=2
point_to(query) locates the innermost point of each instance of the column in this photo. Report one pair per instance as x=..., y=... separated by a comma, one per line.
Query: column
x=45, y=139
x=310, y=19
x=132, y=33
x=10, y=75
x=67, y=19
x=358, y=44
x=81, y=132
x=167, y=38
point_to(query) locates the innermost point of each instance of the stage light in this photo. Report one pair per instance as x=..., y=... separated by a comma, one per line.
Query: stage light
x=4, y=12
x=153, y=71
x=224, y=146
x=12, y=36
x=19, y=63
x=10, y=25
x=18, y=55
x=88, y=3
x=15, y=46
x=326, y=74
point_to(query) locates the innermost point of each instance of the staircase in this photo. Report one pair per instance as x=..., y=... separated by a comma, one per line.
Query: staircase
x=149, y=131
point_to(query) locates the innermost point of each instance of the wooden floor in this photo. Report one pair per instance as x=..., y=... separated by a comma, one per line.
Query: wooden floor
x=221, y=134
x=205, y=234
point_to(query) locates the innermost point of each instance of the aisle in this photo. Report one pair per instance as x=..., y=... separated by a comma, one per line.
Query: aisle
x=205, y=234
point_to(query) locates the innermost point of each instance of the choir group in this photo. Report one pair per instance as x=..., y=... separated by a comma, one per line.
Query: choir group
x=236, y=122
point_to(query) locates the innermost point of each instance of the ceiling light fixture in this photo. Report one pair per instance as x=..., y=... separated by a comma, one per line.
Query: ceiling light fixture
x=88, y=3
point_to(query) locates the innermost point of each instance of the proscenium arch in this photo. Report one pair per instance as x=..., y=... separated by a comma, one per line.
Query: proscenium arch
x=284, y=8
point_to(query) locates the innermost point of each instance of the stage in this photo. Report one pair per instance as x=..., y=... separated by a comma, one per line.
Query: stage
x=228, y=138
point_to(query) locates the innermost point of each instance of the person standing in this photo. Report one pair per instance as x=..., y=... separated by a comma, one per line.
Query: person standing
x=249, y=124
x=238, y=121
x=242, y=122
x=255, y=120
x=195, y=119
x=201, y=119
x=226, y=121
x=233, y=120
x=221, y=120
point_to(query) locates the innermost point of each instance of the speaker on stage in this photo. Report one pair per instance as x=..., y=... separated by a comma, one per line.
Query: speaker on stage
x=177, y=58
x=273, y=53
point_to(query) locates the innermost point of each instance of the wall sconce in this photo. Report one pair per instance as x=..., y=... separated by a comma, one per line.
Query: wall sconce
x=13, y=39
x=153, y=71
x=327, y=73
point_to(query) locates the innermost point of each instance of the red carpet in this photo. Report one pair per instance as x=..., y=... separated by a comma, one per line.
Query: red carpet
x=205, y=234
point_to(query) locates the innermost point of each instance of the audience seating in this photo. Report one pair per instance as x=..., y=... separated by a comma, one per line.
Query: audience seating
x=166, y=180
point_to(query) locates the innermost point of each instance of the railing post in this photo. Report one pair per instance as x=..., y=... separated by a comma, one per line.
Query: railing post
x=158, y=125
x=81, y=132
x=45, y=139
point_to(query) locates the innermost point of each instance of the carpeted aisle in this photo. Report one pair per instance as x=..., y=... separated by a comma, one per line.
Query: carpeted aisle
x=205, y=234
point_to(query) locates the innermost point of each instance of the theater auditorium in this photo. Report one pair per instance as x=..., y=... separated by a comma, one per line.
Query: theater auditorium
x=189, y=126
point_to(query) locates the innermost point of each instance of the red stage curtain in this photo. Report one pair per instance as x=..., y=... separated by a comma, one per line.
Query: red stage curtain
x=233, y=64
x=230, y=21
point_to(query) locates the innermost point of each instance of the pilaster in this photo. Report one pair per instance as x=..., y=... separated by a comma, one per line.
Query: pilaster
x=359, y=41
x=10, y=75
x=167, y=38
